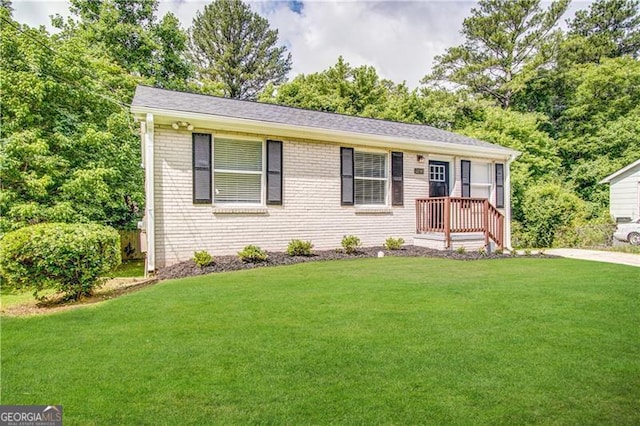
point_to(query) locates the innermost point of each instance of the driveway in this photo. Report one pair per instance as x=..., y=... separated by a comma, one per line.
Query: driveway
x=597, y=256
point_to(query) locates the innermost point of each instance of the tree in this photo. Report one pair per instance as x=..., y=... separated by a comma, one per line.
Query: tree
x=128, y=32
x=505, y=43
x=610, y=28
x=235, y=46
x=539, y=160
x=68, y=149
x=598, y=130
x=360, y=91
x=7, y=5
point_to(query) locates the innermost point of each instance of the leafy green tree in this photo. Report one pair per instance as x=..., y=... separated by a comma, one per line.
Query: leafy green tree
x=505, y=43
x=599, y=127
x=128, y=31
x=234, y=46
x=539, y=160
x=360, y=91
x=341, y=89
x=68, y=150
x=7, y=5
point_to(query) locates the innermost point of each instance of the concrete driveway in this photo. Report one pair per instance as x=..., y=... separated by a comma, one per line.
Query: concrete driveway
x=597, y=256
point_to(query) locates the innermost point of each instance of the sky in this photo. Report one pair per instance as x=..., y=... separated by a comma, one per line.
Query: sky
x=400, y=39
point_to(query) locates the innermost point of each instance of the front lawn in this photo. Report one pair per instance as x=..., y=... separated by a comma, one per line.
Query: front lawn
x=391, y=340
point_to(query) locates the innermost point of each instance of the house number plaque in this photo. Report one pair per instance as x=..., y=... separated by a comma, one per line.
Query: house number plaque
x=418, y=171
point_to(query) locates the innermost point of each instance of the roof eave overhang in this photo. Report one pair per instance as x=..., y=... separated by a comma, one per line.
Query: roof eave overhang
x=623, y=170
x=273, y=129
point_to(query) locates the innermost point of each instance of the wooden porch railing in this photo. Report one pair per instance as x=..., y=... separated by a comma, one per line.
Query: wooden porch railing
x=458, y=215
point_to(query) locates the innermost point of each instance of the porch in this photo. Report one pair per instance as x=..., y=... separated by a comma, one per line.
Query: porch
x=452, y=222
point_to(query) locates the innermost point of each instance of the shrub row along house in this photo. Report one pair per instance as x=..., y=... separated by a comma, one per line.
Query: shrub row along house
x=223, y=173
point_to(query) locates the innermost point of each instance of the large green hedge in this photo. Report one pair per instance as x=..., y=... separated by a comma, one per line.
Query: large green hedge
x=70, y=258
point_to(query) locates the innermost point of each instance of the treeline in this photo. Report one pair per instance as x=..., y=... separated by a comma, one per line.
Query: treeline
x=569, y=100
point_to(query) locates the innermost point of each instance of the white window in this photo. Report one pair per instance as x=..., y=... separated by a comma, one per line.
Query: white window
x=437, y=173
x=480, y=180
x=370, y=177
x=237, y=173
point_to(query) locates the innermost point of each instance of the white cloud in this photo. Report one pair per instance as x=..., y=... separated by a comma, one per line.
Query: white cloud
x=399, y=38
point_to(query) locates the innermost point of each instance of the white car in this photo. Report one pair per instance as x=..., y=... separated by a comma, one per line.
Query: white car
x=629, y=232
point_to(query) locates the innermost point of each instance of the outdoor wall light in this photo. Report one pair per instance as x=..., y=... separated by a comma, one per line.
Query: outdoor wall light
x=420, y=158
x=177, y=124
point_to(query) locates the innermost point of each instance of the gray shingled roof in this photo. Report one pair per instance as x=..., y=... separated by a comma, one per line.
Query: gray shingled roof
x=204, y=104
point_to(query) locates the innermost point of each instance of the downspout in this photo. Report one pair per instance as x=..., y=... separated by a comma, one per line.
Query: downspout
x=149, y=194
x=507, y=203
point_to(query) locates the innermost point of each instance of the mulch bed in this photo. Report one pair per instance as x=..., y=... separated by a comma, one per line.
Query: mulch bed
x=232, y=263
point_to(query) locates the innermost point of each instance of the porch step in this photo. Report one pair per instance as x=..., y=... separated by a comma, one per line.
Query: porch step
x=435, y=240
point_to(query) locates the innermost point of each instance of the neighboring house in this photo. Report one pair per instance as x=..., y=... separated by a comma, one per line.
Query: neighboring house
x=223, y=173
x=624, y=192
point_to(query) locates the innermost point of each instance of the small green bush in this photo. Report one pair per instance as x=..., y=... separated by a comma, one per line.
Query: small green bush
x=393, y=243
x=202, y=258
x=350, y=243
x=461, y=250
x=299, y=248
x=252, y=254
x=70, y=258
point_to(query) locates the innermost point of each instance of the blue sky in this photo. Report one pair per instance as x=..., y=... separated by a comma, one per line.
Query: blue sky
x=399, y=38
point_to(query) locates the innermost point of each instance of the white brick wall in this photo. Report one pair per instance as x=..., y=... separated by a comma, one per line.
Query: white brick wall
x=311, y=209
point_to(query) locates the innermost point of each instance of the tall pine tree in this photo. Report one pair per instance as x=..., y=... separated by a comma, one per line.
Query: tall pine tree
x=234, y=46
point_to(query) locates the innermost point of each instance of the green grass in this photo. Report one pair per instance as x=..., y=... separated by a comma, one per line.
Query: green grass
x=130, y=268
x=11, y=297
x=392, y=340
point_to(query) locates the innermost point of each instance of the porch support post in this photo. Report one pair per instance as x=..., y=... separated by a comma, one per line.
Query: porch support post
x=507, y=204
x=485, y=222
x=149, y=194
x=447, y=222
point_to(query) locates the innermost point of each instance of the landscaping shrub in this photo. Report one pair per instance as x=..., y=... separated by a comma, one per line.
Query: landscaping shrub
x=393, y=243
x=350, y=243
x=461, y=250
x=299, y=248
x=202, y=258
x=590, y=235
x=548, y=208
x=252, y=254
x=70, y=258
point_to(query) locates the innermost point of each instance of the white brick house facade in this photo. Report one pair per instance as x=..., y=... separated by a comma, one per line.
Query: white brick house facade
x=311, y=207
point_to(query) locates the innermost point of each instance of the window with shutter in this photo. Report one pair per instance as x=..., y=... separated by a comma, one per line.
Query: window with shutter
x=346, y=176
x=274, y=172
x=237, y=173
x=397, y=179
x=500, y=185
x=465, y=169
x=370, y=178
x=201, y=153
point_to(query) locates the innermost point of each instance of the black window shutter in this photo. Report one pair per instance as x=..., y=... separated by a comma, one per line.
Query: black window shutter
x=201, y=149
x=397, y=176
x=465, y=168
x=500, y=185
x=346, y=176
x=274, y=172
